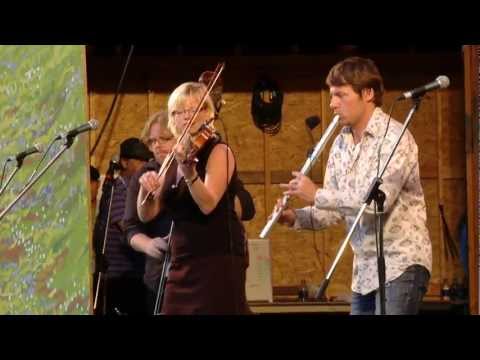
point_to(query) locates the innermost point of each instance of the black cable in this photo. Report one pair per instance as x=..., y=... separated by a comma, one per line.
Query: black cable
x=3, y=172
x=110, y=111
x=384, y=136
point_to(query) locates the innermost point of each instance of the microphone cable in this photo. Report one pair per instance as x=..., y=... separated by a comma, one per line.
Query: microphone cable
x=110, y=111
x=3, y=172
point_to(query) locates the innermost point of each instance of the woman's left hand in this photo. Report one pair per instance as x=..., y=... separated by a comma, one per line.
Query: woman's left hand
x=186, y=165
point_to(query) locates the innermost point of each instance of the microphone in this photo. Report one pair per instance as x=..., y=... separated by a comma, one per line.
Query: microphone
x=20, y=156
x=441, y=82
x=312, y=121
x=91, y=125
x=114, y=164
x=112, y=167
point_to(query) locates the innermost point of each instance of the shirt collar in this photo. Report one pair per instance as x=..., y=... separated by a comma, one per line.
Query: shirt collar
x=374, y=126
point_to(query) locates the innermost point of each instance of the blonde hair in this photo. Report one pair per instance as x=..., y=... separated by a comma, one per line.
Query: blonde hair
x=178, y=97
x=160, y=118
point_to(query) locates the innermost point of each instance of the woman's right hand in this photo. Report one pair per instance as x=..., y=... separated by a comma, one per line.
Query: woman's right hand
x=288, y=216
x=151, y=182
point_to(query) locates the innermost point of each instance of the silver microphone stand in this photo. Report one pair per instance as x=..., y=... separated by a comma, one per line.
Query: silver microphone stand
x=102, y=255
x=68, y=141
x=164, y=275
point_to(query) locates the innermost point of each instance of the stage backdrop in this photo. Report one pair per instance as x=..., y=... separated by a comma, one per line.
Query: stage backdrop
x=44, y=241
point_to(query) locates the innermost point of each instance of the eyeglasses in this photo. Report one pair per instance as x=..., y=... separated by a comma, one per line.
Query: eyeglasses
x=160, y=140
x=187, y=112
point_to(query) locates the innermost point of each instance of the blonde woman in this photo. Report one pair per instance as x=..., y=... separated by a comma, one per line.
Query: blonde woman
x=208, y=263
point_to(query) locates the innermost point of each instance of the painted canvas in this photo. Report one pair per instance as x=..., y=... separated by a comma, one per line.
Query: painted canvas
x=44, y=238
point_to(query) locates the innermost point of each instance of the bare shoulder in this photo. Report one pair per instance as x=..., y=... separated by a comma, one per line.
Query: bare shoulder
x=221, y=150
x=221, y=154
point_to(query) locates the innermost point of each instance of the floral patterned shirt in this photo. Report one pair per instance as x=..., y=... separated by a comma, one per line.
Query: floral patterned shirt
x=350, y=170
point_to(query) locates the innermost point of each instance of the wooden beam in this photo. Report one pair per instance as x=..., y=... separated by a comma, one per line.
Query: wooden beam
x=471, y=55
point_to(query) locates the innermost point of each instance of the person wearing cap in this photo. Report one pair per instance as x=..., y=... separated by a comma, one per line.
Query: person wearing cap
x=123, y=268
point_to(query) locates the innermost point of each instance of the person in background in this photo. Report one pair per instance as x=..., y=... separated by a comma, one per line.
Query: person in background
x=122, y=268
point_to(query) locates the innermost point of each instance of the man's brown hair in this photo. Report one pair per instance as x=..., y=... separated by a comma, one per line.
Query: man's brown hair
x=359, y=73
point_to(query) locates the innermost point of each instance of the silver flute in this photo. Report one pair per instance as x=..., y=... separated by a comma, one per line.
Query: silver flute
x=307, y=166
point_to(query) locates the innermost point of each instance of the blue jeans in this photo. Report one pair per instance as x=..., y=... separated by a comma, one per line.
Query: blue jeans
x=403, y=295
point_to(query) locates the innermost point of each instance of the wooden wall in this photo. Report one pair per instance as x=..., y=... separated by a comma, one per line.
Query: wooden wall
x=264, y=161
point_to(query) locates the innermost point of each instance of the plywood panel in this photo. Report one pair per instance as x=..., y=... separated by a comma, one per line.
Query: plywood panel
x=452, y=144
x=156, y=102
x=126, y=121
x=290, y=146
x=430, y=190
x=296, y=255
x=340, y=283
x=327, y=117
x=423, y=127
x=244, y=138
x=454, y=203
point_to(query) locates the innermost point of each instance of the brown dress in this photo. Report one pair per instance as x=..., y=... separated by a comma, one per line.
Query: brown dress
x=208, y=267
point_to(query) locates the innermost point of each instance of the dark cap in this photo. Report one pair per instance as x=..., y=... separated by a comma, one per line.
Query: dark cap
x=133, y=148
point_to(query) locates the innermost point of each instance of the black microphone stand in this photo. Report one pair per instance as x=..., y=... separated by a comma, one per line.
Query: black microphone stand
x=164, y=275
x=68, y=141
x=378, y=196
x=102, y=255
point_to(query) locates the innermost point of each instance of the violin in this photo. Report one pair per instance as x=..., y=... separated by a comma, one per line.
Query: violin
x=197, y=140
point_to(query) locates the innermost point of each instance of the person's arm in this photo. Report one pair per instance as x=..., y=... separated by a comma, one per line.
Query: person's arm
x=131, y=220
x=135, y=230
x=403, y=163
x=208, y=193
x=309, y=218
x=150, y=182
x=312, y=218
